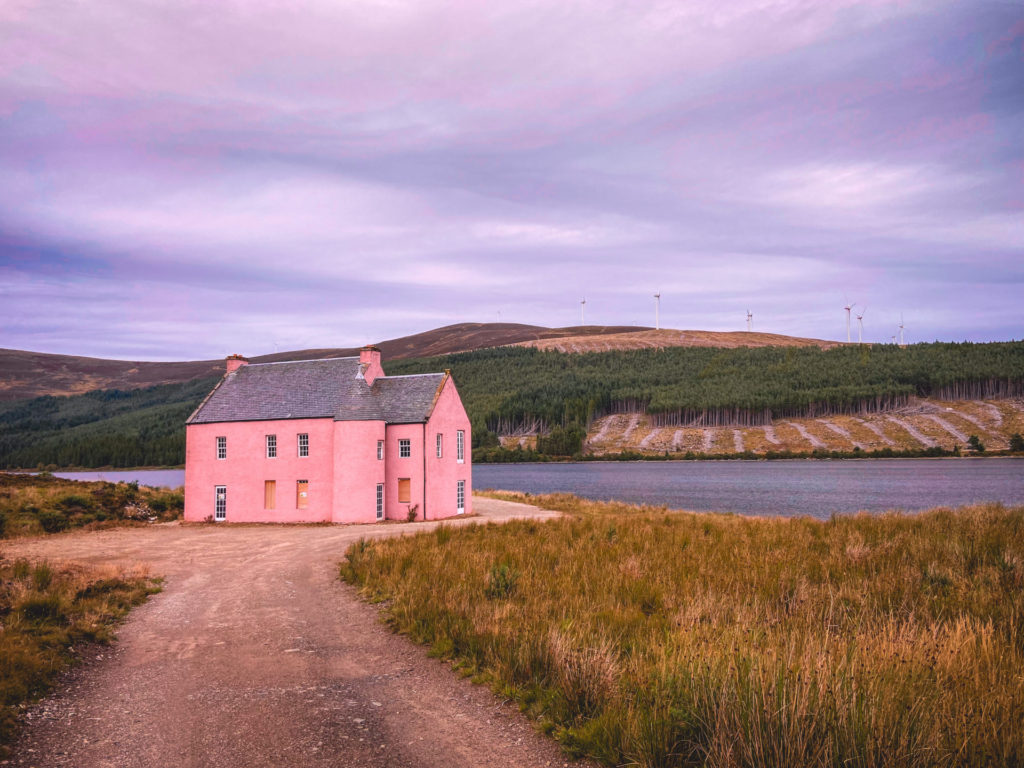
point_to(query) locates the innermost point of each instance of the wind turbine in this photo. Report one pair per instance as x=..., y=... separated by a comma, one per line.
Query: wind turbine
x=583, y=303
x=860, y=325
x=750, y=323
x=848, y=307
x=657, y=311
x=901, y=329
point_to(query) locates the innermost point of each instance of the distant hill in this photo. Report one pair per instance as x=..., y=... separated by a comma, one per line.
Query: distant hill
x=32, y=374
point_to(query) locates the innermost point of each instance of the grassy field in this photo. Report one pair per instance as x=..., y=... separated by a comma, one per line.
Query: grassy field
x=46, y=611
x=643, y=637
x=37, y=504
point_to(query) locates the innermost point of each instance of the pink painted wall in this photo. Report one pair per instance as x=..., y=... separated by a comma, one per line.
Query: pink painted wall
x=397, y=467
x=357, y=471
x=443, y=474
x=247, y=467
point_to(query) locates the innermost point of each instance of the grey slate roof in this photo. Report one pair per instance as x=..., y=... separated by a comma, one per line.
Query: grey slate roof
x=311, y=389
x=394, y=399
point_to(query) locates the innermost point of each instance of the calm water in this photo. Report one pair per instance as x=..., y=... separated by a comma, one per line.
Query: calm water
x=816, y=488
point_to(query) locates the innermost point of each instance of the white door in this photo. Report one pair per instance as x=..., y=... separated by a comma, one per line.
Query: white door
x=220, y=510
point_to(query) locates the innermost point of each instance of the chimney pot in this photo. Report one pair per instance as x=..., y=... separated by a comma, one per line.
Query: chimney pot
x=234, y=362
x=369, y=363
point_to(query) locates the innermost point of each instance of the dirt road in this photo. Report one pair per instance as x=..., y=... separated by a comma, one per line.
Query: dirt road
x=256, y=655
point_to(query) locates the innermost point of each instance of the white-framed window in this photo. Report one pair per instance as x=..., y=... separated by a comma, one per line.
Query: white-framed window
x=271, y=446
x=380, y=501
x=380, y=450
x=460, y=497
x=222, y=447
x=404, y=449
x=440, y=440
x=303, y=445
x=460, y=446
x=220, y=508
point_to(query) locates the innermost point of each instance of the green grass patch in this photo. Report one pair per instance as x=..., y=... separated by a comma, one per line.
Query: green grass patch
x=38, y=504
x=643, y=637
x=46, y=611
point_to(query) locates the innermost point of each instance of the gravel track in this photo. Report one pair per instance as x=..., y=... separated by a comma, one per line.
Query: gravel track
x=255, y=654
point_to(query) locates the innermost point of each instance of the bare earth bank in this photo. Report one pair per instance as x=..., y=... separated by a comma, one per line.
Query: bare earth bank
x=256, y=655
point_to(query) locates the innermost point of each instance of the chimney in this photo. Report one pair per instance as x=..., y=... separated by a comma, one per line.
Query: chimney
x=235, y=362
x=369, y=363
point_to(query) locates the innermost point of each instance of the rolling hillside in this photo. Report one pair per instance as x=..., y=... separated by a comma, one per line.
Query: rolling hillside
x=696, y=397
x=32, y=374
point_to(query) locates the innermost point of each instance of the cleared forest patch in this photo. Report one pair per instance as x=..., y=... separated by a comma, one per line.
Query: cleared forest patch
x=652, y=339
x=928, y=424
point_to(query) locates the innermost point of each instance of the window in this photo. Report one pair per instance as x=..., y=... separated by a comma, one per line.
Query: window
x=301, y=494
x=269, y=494
x=220, y=509
x=404, y=490
x=271, y=446
x=439, y=440
x=460, y=446
x=460, y=497
x=303, y=445
x=404, y=449
x=380, y=501
x=222, y=447
x=380, y=450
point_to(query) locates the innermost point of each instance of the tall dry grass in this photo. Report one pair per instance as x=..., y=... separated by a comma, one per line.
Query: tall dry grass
x=46, y=610
x=641, y=637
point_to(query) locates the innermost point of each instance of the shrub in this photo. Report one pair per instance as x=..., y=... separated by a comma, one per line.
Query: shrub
x=75, y=502
x=53, y=522
x=1017, y=442
x=42, y=576
x=41, y=608
x=501, y=582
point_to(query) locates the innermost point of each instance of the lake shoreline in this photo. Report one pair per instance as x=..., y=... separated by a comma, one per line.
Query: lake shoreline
x=720, y=458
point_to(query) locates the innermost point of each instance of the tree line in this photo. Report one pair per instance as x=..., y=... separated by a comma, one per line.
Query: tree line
x=519, y=390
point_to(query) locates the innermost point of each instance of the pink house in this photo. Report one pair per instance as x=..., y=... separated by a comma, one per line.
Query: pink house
x=327, y=441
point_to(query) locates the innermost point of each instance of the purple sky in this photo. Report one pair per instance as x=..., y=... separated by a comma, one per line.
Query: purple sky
x=186, y=180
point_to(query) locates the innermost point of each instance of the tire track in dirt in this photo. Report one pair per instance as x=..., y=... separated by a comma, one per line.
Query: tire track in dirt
x=812, y=439
x=924, y=440
x=650, y=438
x=708, y=440
x=841, y=431
x=873, y=427
x=947, y=427
x=677, y=440
x=634, y=421
x=737, y=441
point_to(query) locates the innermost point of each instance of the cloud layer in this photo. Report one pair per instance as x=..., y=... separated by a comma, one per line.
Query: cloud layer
x=191, y=179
